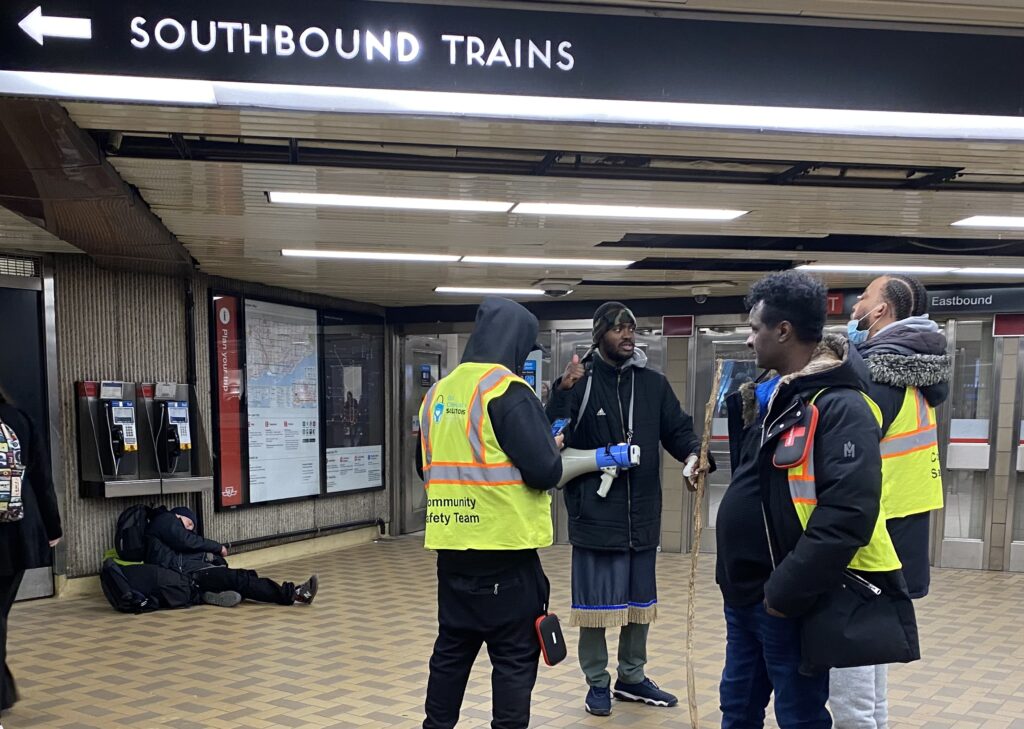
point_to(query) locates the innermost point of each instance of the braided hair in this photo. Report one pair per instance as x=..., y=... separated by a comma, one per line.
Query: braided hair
x=906, y=295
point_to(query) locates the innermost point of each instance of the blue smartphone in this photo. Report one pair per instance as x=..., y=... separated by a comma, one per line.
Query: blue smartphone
x=559, y=426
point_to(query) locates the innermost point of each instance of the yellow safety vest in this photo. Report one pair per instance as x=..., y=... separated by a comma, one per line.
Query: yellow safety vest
x=911, y=475
x=476, y=498
x=879, y=555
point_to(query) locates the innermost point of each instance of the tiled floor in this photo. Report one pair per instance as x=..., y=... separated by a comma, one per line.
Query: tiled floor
x=358, y=657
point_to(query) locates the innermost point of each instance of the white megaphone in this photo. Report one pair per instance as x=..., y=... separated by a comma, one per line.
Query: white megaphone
x=609, y=460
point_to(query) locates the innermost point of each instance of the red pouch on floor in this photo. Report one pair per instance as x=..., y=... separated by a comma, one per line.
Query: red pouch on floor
x=552, y=644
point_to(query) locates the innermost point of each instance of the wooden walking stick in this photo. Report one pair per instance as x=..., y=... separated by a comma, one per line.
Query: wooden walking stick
x=698, y=528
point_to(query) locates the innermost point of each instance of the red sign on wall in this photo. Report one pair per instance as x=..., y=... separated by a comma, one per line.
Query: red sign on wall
x=677, y=326
x=229, y=399
x=834, y=304
x=1008, y=325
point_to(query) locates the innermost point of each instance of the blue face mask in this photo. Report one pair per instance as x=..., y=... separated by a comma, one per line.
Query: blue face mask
x=855, y=335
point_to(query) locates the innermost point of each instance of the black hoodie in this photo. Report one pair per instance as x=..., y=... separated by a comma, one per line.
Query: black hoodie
x=505, y=333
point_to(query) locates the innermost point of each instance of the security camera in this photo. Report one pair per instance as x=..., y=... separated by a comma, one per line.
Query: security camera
x=556, y=288
x=700, y=294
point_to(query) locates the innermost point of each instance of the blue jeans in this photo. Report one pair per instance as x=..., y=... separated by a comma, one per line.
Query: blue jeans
x=762, y=654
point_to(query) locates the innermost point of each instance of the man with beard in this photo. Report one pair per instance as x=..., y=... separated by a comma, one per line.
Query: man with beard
x=612, y=396
x=906, y=357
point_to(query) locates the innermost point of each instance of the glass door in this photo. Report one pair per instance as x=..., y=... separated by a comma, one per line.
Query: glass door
x=966, y=426
x=728, y=343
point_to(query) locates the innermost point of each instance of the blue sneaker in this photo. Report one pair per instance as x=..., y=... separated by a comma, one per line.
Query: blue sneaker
x=646, y=692
x=599, y=701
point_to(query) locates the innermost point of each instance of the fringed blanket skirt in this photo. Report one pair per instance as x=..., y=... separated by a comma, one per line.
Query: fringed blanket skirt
x=612, y=589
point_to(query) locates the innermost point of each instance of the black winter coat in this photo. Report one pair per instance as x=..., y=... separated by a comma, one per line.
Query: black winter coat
x=629, y=517
x=848, y=474
x=25, y=544
x=911, y=353
x=169, y=544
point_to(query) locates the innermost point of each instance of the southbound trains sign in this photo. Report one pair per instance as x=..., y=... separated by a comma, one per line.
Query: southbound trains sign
x=392, y=57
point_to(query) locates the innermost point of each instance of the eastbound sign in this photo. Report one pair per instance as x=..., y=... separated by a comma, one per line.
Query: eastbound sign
x=968, y=301
x=272, y=52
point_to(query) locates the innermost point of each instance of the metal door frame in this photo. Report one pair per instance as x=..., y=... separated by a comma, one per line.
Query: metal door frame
x=696, y=409
x=945, y=417
x=1015, y=475
x=406, y=346
x=43, y=284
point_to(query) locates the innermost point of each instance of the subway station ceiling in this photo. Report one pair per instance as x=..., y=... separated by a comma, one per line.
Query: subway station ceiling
x=190, y=166
x=810, y=199
x=1005, y=13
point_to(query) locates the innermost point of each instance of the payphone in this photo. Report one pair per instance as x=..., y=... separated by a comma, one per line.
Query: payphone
x=179, y=458
x=108, y=432
x=138, y=440
x=165, y=410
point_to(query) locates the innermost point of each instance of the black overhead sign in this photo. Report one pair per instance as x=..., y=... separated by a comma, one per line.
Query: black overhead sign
x=392, y=46
x=1009, y=300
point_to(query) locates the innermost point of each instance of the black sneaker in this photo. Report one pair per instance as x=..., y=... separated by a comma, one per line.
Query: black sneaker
x=228, y=598
x=305, y=592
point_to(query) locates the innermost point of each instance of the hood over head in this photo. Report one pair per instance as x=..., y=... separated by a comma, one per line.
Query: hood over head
x=505, y=333
x=915, y=335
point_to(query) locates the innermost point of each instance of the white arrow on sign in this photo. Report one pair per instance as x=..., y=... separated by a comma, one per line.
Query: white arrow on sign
x=39, y=26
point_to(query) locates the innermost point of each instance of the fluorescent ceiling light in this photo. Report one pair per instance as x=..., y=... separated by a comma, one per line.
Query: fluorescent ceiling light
x=990, y=271
x=991, y=221
x=526, y=261
x=918, y=125
x=397, y=203
x=625, y=211
x=394, y=101
x=855, y=268
x=370, y=255
x=487, y=291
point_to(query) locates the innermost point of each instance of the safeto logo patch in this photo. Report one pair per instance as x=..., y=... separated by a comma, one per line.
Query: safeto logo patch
x=439, y=409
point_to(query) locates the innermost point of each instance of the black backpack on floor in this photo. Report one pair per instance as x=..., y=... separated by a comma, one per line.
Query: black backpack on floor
x=130, y=534
x=141, y=588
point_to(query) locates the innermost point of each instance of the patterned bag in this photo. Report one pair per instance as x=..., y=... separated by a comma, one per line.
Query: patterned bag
x=12, y=470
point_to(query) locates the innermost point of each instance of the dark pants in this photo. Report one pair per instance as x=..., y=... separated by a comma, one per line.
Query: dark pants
x=762, y=654
x=9, y=585
x=500, y=611
x=246, y=583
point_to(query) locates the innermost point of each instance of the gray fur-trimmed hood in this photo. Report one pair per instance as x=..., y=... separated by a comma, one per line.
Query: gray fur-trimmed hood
x=910, y=370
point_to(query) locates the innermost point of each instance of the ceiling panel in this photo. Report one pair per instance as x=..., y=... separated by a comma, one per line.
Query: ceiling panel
x=1005, y=13
x=19, y=235
x=220, y=212
x=996, y=158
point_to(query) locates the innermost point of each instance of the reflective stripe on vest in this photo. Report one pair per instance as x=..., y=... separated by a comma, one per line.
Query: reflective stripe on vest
x=879, y=555
x=911, y=474
x=476, y=498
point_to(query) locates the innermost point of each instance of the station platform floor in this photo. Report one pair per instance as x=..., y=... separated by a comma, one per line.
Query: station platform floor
x=358, y=656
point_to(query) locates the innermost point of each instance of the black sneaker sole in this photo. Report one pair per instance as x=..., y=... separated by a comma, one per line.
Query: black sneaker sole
x=623, y=696
x=596, y=712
